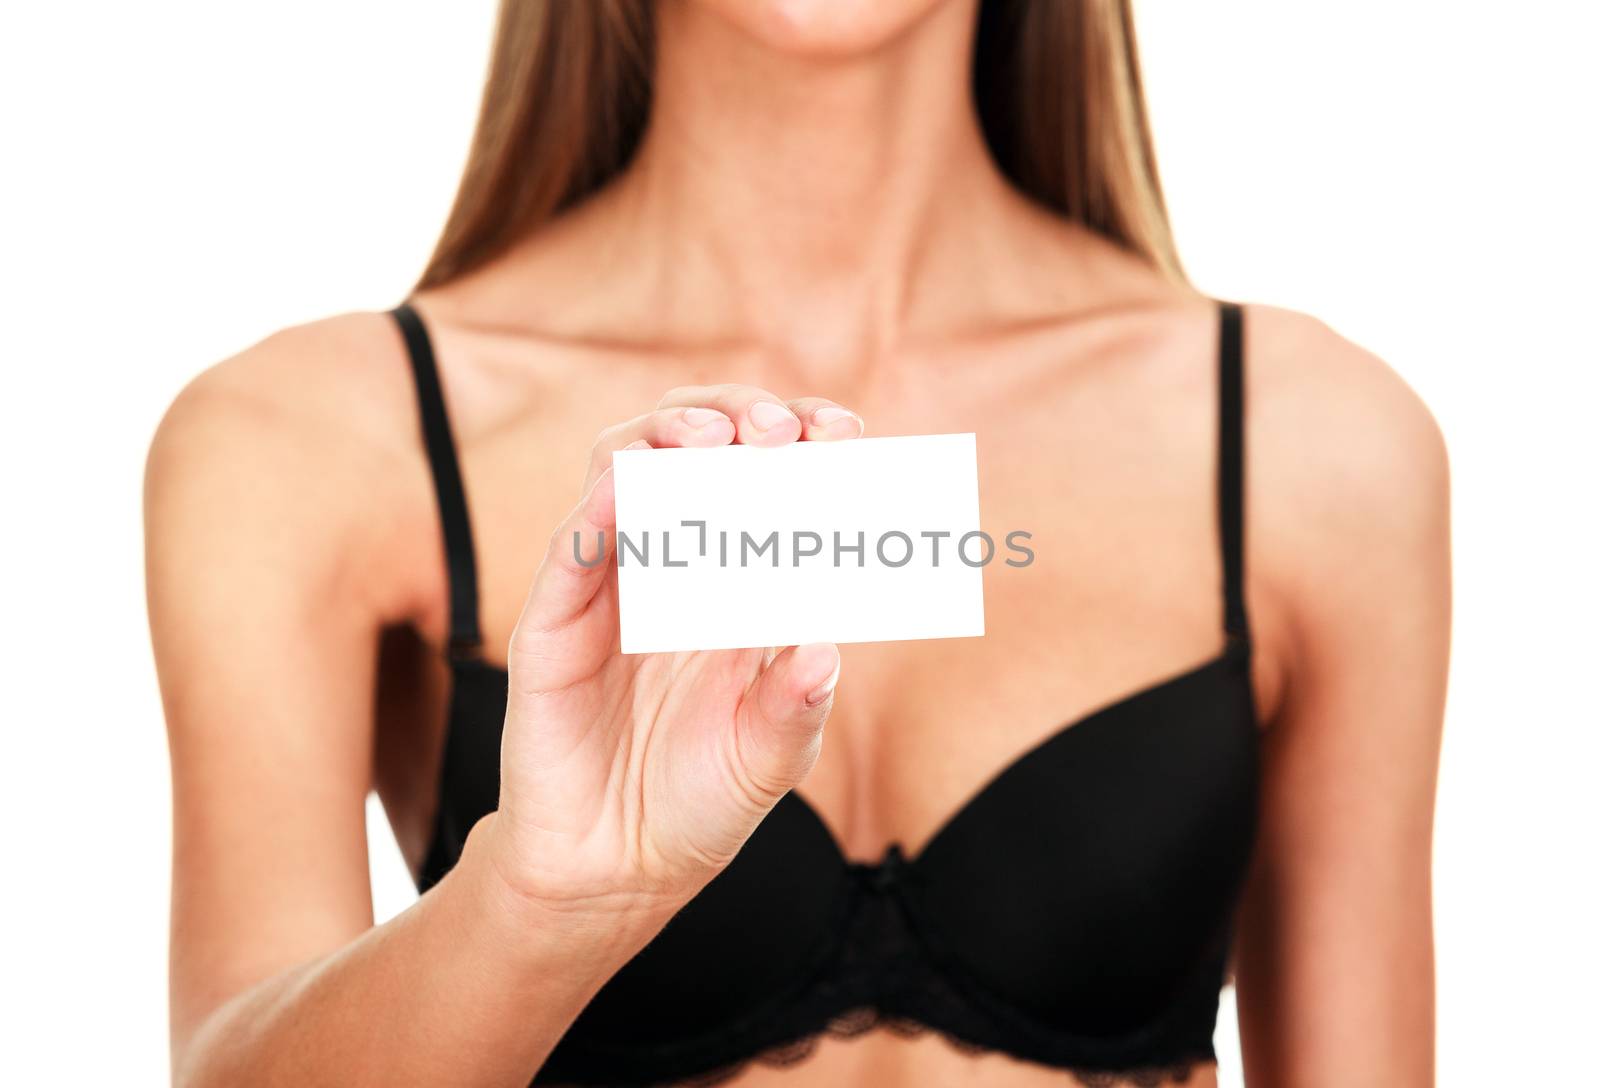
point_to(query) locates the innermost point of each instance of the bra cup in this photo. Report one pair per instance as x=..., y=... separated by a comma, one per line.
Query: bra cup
x=1090, y=887
x=748, y=940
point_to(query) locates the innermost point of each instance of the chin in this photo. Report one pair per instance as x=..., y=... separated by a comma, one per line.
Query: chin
x=824, y=28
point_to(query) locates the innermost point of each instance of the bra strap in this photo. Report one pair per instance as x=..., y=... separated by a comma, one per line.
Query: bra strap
x=465, y=637
x=1230, y=467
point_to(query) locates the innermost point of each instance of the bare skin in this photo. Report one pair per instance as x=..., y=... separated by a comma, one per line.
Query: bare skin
x=813, y=222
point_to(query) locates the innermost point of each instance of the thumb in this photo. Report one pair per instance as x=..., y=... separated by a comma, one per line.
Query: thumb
x=779, y=726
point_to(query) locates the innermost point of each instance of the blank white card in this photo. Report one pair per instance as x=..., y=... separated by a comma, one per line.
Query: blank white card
x=867, y=540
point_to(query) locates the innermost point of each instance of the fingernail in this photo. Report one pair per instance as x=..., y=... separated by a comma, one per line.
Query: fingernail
x=637, y=444
x=702, y=417
x=767, y=415
x=820, y=693
x=826, y=417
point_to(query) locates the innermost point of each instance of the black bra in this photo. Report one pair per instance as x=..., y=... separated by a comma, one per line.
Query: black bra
x=1075, y=913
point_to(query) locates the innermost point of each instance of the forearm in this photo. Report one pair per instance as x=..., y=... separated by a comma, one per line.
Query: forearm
x=470, y=986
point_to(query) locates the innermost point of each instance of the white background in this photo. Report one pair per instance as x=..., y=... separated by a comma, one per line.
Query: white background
x=179, y=179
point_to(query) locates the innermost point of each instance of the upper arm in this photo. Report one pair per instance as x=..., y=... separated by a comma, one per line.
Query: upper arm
x=1350, y=524
x=264, y=629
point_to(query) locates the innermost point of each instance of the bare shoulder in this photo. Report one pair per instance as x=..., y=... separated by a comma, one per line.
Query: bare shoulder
x=340, y=369
x=1349, y=478
x=1328, y=413
x=289, y=453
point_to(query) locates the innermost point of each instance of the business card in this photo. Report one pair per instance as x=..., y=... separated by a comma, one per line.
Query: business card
x=866, y=540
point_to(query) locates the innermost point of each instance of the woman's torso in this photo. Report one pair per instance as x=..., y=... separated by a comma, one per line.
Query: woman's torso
x=1097, y=435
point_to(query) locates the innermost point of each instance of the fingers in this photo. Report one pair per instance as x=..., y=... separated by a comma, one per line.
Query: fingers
x=779, y=726
x=693, y=425
x=713, y=415
x=822, y=420
x=575, y=564
x=762, y=418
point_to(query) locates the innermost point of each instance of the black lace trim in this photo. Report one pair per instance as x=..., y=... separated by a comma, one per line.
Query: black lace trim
x=865, y=1021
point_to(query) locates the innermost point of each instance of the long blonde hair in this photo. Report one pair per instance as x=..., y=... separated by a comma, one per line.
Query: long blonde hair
x=1056, y=83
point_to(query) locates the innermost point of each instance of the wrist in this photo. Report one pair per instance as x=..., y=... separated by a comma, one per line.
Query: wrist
x=606, y=930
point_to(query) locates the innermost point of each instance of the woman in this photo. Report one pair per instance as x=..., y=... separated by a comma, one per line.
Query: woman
x=1172, y=756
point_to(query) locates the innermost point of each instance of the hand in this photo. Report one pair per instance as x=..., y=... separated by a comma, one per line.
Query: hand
x=630, y=781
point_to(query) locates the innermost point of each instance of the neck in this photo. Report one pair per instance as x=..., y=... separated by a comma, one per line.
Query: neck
x=828, y=204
